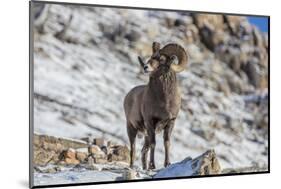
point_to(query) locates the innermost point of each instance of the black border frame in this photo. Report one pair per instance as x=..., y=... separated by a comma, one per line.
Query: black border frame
x=31, y=90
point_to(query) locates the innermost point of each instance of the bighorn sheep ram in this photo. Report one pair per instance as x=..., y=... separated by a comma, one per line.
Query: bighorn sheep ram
x=155, y=106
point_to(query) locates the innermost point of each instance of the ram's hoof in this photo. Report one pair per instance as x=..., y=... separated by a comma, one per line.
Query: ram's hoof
x=166, y=164
x=151, y=166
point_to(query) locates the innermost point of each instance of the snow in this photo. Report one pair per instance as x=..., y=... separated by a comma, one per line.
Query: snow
x=69, y=177
x=183, y=168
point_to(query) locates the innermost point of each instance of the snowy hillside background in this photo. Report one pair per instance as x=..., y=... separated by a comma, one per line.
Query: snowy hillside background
x=85, y=62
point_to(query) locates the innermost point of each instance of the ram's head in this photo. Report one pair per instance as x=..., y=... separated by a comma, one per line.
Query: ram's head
x=165, y=57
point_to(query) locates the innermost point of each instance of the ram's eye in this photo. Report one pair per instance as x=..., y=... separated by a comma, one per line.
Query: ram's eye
x=162, y=59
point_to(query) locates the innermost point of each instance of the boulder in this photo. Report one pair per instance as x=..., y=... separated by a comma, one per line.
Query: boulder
x=70, y=153
x=99, y=142
x=81, y=156
x=71, y=161
x=129, y=174
x=94, y=149
x=205, y=164
x=119, y=153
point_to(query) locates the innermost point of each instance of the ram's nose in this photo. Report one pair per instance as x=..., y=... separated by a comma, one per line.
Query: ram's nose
x=145, y=68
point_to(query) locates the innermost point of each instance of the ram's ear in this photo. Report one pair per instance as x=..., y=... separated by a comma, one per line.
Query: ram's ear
x=141, y=61
x=155, y=47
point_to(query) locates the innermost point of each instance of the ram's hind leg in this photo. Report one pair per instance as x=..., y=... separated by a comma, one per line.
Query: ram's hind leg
x=144, y=152
x=132, y=132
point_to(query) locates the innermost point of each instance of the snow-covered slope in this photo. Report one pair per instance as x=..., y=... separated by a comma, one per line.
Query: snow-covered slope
x=85, y=62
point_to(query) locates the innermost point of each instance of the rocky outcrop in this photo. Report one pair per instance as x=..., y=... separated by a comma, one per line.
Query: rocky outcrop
x=48, y=149
x=205, y=164
x=77, y=161
x=71, y=152
x=52, y=150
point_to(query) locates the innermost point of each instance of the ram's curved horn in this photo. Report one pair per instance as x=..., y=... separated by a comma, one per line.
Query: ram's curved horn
x=174, y=49
x=155, y=47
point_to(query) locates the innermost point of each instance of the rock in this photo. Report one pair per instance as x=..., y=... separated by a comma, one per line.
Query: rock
x=191, y=34
x=81, y=156
x=61, y=143
x=133, y=36
x=40, y=16
x=88, y=140
x=47, y=169
x=224, y=87
x=179, y=22
x=98, y=155
x=70, y=153
x=206, y=164
x=100, y=160
x=71, y=161
x=108, y=144
x=233, y=23
x=119, y=153
x=59, y=147
x=69, y=157
x=216, y=21
x=129, y=174
x=113, y=32
x=104, y=149
x=234, y=83
x=206, y=35
x=235, y=63
x=94, y=149
x=62, y=33
x=42, y=158
x=258, y=39
x=99, y=142
x=91, y=161
x=49, y=149
x=251, y=69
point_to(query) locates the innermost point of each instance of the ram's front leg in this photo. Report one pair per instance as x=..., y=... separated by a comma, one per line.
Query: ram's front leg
x=167, y=135
x=144, y=152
